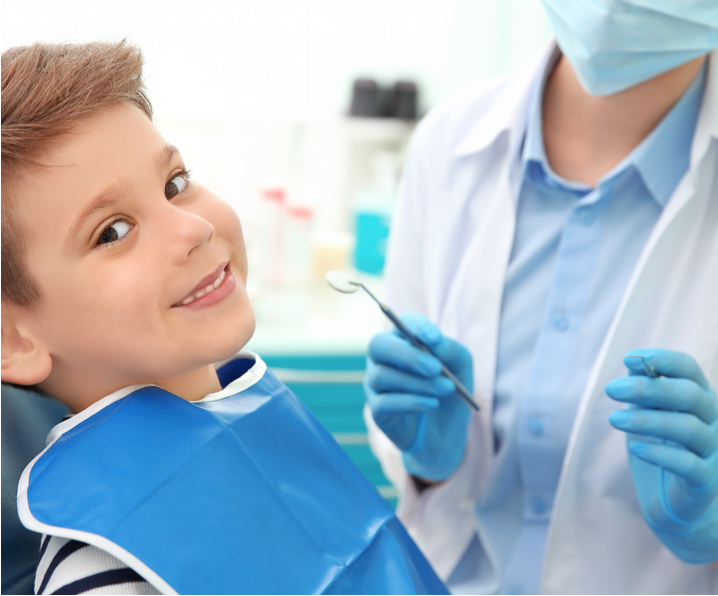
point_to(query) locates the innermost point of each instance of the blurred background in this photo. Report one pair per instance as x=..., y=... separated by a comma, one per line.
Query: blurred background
x=298, y=114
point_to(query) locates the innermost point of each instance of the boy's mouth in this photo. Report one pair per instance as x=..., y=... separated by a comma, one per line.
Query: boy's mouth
x=208, y=285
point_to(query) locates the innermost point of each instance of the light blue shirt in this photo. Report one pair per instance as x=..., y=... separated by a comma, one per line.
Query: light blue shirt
x=574, y=250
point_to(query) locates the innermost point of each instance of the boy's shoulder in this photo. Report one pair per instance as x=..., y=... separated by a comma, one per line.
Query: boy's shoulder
x=73, y=567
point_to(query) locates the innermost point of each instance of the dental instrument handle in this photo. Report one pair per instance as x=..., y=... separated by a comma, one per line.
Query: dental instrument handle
x=461, y=390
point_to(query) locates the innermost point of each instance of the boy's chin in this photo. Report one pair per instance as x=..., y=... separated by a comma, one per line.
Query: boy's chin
x=237, y=339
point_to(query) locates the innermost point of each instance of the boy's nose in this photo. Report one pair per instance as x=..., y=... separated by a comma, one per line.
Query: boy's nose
x=189, y=232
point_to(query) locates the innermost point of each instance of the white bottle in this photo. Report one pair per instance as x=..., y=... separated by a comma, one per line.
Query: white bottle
x=297, y=246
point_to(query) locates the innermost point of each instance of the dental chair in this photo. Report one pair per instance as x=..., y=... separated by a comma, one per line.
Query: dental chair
x=26, y=420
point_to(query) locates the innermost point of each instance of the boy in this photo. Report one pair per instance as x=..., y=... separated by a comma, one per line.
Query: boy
x=123, y=281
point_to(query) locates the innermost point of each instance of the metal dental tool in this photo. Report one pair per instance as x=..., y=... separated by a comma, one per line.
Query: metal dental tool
x=341, y=282
x=649, y=370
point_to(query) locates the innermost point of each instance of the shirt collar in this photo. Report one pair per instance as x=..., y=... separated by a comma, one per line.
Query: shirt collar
x=664, y=155
x=533, y=148
x=661, y=158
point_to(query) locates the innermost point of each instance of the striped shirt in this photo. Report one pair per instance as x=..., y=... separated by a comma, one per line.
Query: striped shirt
x=72, y=567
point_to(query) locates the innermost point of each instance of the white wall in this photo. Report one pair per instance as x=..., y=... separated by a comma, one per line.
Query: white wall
x=291, y=59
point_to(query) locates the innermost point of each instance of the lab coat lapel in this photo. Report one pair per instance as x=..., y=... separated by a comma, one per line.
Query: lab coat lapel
x=489, y=212
x=481, y=271
x=469, y=231
x=471, y=313
x=670, y=302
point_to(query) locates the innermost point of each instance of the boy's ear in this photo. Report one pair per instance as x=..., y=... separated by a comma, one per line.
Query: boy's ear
x=25, y=360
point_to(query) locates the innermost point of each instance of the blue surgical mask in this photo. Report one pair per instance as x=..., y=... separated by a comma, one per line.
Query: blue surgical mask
x=615, y=44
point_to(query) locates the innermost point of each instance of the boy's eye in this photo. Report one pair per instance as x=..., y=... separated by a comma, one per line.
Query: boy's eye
x=114, y=232
x=177, y=184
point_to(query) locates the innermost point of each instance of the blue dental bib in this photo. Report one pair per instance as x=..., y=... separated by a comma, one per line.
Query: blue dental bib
x=243, y=492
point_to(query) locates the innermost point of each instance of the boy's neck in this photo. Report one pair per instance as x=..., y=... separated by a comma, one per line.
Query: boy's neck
x=586, y=136
x=193, y=385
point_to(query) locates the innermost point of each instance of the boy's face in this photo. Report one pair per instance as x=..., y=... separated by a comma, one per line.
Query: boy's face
x=122, y=245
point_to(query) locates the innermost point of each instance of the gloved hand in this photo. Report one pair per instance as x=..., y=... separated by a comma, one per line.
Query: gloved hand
x=672, y=421
x=413, y=403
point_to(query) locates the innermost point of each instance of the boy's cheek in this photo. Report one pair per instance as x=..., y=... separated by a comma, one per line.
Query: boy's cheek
x=223, y=218
x=229, y=227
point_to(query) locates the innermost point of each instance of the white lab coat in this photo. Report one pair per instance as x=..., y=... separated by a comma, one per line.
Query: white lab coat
x=449, y=249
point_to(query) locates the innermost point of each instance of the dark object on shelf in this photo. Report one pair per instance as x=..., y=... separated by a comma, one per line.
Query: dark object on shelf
x=405, y=100
x=370, y=100
x=365, y=99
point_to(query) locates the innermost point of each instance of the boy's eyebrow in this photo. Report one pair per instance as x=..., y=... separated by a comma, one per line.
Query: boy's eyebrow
x=113, y=193
x=106, y=198
x=165, y=156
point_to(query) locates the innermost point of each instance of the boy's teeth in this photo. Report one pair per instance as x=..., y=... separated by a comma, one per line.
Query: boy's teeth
x=209, y=288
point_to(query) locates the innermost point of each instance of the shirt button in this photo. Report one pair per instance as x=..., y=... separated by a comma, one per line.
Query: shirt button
x=538, y=505
x=535, y=427
x=586, y=215
x=560, y=321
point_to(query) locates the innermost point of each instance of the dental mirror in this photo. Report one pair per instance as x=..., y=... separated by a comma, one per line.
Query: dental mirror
x=341, y=282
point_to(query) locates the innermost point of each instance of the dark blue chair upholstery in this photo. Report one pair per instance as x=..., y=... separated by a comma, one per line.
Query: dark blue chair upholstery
x=26, y=420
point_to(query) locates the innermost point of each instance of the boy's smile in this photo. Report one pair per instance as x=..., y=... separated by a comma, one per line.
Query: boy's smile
x=142, y=271
x=211, y=290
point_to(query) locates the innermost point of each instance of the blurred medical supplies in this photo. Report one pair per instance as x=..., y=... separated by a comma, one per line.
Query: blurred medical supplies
x=330, y=250
x=273, y=210
x=365, y=99
x=370, y=100
x=372, y=210
x=615, y=45
x=243, y=492
x=342, y=282
x=286, y=251
x=298, y=257
x=405, y=98
x=371, y=226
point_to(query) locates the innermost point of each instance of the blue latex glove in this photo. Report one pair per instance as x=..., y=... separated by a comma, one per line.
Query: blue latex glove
x=413, y=404
x=672, y=421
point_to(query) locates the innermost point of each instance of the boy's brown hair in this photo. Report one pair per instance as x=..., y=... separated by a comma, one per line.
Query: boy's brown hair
x=47, y=89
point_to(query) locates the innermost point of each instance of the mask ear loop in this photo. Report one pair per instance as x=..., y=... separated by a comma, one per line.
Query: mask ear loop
x=647, y=368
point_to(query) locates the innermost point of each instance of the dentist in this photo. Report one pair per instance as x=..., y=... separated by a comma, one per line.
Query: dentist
x=560, y=226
